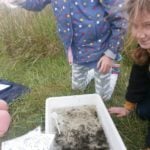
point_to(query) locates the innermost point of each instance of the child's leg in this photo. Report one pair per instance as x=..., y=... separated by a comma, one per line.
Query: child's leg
x=102, y=85
x=115, y=73
x=4, y=122
x=143, y=111
x=79, y=77
x=114, y=76
x=147, y=138
x=3, y=105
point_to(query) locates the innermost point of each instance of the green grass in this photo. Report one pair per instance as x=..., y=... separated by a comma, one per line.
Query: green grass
x=31, y=54
x=47, y=77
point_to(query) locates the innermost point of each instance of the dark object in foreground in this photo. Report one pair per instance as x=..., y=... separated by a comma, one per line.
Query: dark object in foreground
x=12, y=91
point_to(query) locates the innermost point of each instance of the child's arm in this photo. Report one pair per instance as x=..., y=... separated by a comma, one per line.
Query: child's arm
x=118, y=25
x=138, y=86
x=70, y=56
x=35, y=5
x=137, y=90
x=122, y=111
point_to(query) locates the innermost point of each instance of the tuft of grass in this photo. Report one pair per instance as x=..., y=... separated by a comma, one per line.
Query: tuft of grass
x=47, y=77
x=28, y=35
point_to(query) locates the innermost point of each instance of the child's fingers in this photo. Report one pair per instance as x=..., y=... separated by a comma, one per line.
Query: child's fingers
x=117, y=114
x=5, y=120
x=104, y=68
x=116, y=111
x=3, y=105
x=104, y=65
x=113, y=109
x=120, y=115
x=99, y=64
x=70, y=56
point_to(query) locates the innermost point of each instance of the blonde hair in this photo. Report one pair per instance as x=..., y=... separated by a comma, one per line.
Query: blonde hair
x=136, y=8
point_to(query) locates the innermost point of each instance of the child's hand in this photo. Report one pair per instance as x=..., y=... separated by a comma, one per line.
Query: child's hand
x=70, y=56
x=5, y=120
x=104, y=65
x=119, y=111
x=3, y=105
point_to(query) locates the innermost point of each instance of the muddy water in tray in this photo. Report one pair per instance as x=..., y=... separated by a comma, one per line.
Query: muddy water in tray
x=79, y=129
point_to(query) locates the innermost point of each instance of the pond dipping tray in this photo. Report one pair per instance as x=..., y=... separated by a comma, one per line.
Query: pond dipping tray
x=54, y=103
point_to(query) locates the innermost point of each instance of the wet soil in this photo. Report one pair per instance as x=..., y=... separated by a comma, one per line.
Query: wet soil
x=80, y=129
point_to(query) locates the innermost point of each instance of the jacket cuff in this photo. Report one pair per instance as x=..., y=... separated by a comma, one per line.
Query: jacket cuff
x=129, y=105
x=110, y=54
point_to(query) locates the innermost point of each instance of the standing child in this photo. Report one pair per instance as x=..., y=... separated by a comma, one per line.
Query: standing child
x=138, y=91
x=4, y=118
x=92, y=34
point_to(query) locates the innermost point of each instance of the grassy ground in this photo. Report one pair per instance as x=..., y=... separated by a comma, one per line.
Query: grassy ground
x=31, y=54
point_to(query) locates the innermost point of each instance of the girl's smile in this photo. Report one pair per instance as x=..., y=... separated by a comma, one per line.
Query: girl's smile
x=140, y=28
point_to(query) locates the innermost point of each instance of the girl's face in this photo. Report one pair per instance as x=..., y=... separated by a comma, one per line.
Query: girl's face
x=140, y=29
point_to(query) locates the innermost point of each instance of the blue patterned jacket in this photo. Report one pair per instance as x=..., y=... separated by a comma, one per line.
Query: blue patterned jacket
x=91, y=28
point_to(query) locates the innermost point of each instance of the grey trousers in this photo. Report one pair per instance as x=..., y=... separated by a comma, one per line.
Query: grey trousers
x=80, y=80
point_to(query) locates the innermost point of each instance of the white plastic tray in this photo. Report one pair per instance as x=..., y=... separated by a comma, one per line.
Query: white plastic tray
x=112, y=135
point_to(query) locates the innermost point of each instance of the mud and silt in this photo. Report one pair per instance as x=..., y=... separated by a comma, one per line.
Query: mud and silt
x=80, y=129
